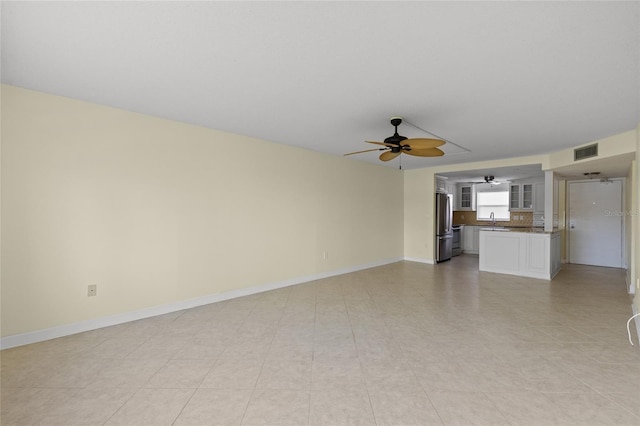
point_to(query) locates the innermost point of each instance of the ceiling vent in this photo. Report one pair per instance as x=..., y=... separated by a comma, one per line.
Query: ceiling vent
x=585, y=152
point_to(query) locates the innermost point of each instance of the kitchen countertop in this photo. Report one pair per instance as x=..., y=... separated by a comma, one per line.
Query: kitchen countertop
x=536, y=230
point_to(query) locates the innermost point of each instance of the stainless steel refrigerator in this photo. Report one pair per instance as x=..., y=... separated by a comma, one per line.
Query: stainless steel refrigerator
x=444, y=232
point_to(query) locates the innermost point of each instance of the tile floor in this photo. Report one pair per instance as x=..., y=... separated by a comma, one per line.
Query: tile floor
x=402, y=344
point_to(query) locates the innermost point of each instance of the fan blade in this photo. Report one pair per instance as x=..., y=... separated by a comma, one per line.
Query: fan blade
x=382, y=143
x=389, y=155
x=430, y=152
x=423, y=143
x=366, y=150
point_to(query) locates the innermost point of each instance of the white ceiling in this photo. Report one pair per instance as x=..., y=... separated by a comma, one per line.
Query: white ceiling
x=501, y=79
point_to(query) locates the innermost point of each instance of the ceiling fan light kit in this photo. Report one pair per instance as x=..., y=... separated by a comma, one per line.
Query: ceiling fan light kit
x=397, y=144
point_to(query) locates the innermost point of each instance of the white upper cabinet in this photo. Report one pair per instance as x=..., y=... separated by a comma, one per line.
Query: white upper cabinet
x=538, y=197
x=522, y=196
x=466, y=197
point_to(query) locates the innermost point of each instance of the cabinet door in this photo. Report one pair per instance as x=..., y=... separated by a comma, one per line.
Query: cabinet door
x=467, y=238
x=441, y=185
x=538, y=197
x=465, y=197
x=476, y=239
x=451, y=189
x=527, y=196
x=514, y=197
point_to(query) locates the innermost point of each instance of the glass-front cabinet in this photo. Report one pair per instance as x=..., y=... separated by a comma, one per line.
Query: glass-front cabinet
x=514, y=197
x=527, y=196
x=521, y=196
x=466, y=195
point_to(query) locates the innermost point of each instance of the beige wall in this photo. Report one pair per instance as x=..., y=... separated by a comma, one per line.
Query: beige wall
x=155, y=211
x=612, y=146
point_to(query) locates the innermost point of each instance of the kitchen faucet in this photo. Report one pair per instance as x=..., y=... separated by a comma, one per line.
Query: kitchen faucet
x=493, y=219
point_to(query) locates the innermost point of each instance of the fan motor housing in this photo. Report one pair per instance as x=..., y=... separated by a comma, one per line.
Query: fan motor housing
x=395, y=139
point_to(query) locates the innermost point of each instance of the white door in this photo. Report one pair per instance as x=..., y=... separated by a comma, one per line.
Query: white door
x=595, y=223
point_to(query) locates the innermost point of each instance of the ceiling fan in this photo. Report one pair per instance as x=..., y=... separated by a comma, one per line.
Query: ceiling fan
x=396, y=145
x=490, y=180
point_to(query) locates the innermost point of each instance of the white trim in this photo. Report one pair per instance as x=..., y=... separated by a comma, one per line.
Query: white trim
x=419, y=260
x=93, y=324
x=637, y=320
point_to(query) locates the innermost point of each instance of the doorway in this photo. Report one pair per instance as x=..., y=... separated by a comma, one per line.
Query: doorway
x=595, y=222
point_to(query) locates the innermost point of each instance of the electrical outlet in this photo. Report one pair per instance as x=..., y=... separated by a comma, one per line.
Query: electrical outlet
x=325, y=255
x=92, y=290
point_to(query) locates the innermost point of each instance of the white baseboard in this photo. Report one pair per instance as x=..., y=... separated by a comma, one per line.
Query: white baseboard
x=419, y=260
x=94, y=324
x=631, y=289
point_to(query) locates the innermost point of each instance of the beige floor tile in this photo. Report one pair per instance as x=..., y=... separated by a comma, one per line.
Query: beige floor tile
x=593, y=409
x=627, y=400
x=28, y=372
x=529, y=408
x=200, y=348
x=379, y=349
x=256, y=348
x=277, y=407
x=164, y=347
x=619, y=352
x=114, y=347
x=215, y=407
x=126, y=373
x=68, y=345
x=330, y=352
x=295, y=331
x=26, y=406
x=152, y=407
x=285, y=374
x=607, y=378
x=70, y=373
x=341, y=407
x=337, y=373
x=230, y=373
x=466, y=408
x=402, y=406
x=84, y=407
x=181, y=374
x=291, y=350
x=482, y=348
x=389, y=374
x=443, y=376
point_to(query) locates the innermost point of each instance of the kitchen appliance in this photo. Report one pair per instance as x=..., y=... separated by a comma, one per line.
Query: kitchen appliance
x=456, y=244
x=444, y=231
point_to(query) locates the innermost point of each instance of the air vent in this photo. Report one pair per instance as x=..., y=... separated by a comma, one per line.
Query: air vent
x=585, y=152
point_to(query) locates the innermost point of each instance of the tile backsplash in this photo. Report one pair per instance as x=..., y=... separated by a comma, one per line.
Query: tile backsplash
x=469, y=218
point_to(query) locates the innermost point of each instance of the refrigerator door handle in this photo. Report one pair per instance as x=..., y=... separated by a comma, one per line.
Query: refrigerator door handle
x=448, y=230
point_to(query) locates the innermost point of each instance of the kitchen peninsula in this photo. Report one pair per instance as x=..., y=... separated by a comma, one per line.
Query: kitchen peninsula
x=529, y=252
